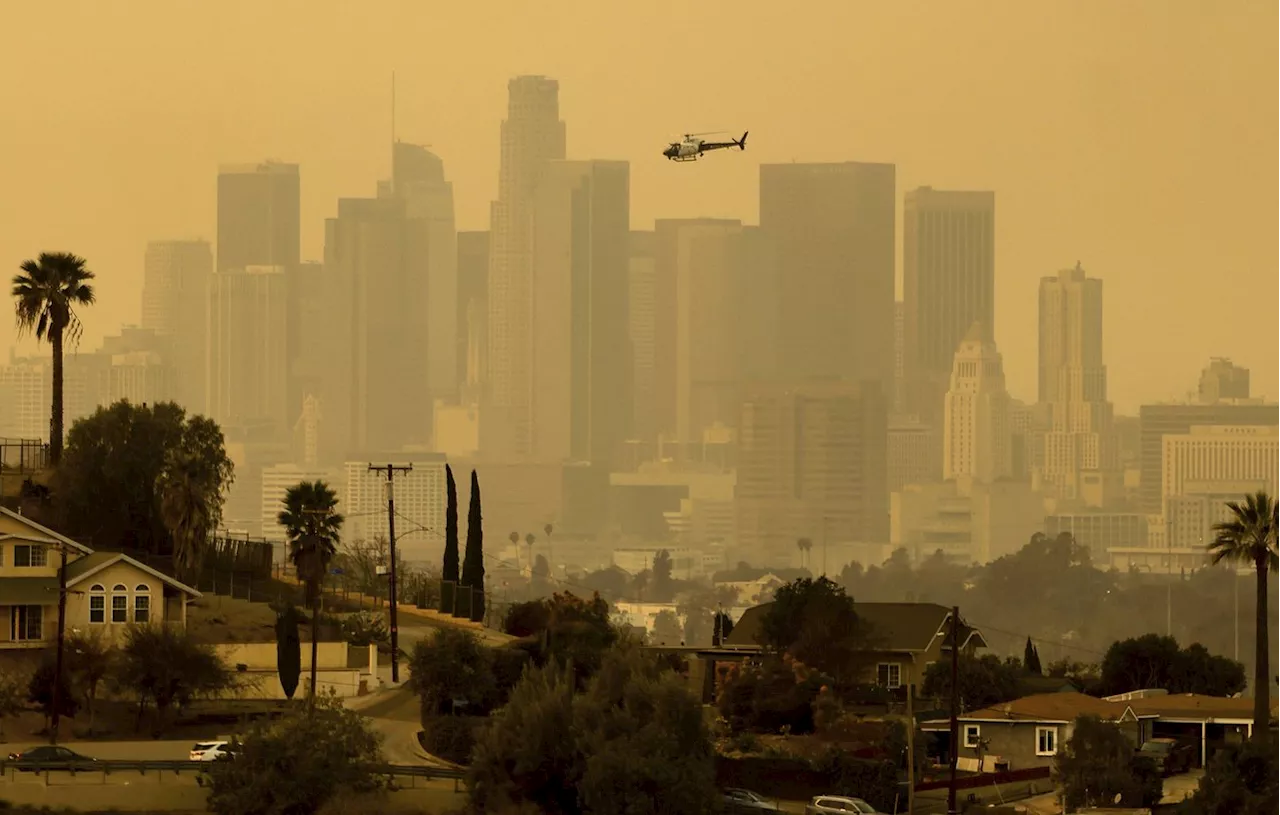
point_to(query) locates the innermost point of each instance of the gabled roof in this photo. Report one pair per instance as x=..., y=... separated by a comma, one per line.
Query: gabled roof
x=892, y=626
x=87, y=566
x=748, y=574
x=1050, y=708
x=43, y=533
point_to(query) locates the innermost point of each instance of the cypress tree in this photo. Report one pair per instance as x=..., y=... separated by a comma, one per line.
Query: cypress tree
x=288, y=650
x=473, y=562
x=451, y=528
x=1030, y=659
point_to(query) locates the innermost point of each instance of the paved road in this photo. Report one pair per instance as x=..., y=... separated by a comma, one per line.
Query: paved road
x=148, y=750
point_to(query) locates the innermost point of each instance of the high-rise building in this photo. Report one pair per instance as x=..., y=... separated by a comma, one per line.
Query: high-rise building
x=832, y=228
x=1073, y=385
x=580, y=377
x=532, y=135
x=948, y=277
x=473, y=309
x=133, y=365
x=642, y=308
x=306, y=330
x=25, y=397
x=811, y=464
x=1222, y=379
x=756, y=305
x=1232, y=453
x=977, y=433
x=258, y=215
x=248, y=348
x=420, y=503
x=899, y=404
x=175, y=305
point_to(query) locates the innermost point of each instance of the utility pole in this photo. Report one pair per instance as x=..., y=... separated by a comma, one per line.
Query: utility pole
x=391, y=470
x=911, y=746
x=955, y=707
x=62, y=635
x=1168, y=612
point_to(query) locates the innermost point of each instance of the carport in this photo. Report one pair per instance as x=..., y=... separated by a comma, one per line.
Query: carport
x=1211, y=722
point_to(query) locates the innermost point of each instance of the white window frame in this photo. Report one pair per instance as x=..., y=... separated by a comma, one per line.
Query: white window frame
x=972, y=735
x=32, y=550
x=142, y=592
x=98, y=596
x=1052, y=733
x=889, y=682
x=20, y=629
x=118, y=591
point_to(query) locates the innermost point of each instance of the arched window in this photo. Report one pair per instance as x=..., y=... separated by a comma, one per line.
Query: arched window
x=119, y=604
x=97, y=603
x=142, y=603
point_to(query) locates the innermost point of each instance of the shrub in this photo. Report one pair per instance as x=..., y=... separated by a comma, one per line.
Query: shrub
x=450, y=737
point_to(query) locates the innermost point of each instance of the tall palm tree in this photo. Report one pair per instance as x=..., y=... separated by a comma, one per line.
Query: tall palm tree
x=313, y=526
x=46, y=295
x=1249, y=537
x=191, y=507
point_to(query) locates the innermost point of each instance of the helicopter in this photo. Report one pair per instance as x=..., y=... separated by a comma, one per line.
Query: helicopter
x=692, y=148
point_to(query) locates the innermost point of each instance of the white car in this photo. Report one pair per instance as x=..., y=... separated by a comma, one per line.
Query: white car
x=839, y=805
x=212, y=751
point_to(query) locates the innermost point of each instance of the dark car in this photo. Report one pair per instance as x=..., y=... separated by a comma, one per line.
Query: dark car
x=1170, y=755
x=48, y=754
x=738, y=801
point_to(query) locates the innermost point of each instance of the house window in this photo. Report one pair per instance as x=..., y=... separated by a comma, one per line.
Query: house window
x=119, y=604
x=972, y=735
x=26, y=624
x=29, y=556
x=142, y=603
x=97, y=604
x=1046, y=741
x=889, y=675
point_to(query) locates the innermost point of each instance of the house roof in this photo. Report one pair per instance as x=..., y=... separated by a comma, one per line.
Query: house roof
x=1196, y=707
x=44, y=532
x=29, y=591
x=747, y=574
x=894, y=626
x=87, y=566
x=1049, y=708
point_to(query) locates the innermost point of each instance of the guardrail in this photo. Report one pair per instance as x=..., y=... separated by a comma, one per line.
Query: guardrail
x=106, y=767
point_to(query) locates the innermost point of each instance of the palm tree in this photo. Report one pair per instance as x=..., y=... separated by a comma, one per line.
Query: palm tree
x=46, y=294
x=1249, y=537
x=313, y=526
x=530, y=539
x=191, y=507
x=547, y=529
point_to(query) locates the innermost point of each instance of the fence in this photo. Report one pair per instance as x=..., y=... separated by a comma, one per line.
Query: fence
x=9, y=768
x=23, y=456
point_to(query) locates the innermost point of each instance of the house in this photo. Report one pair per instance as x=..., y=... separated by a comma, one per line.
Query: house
x=904, y=638
x=106, y=591
x=755, y=585
x=1208, y=722
x=1029, y=732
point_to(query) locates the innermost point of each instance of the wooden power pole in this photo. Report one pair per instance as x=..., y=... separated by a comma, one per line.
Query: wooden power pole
x=955, y=707
x=391, y=470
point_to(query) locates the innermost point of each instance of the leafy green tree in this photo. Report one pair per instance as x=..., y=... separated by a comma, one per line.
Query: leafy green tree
x=166, y=667
x=815, y=621
x=366, y=628
x=295, y=765
x=1098, y=763
x=449, y=574
x=191, y=497
x=13, y=694
x=40, y=691
x=89, y=661
x=451, y=666
x=1240, y=780
x=122, y=464
x=46, y=295
x=1249, y=538
x=313, y=527
x=1156, y=661
x=722, y=627
x=288, y=650
x=983, y=681
x=473, y=559
x=666, y=628
x=663, y=585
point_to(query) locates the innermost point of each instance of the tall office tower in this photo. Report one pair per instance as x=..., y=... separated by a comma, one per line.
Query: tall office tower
x=977, y=431
x=812, y=463
x=642, y=325
x=376, y=392
x=305, y=332
x=133, y=365
x=1221, y=380
x=532, y=135
x=418, y=179
x=248, y=349
x=899, y=403
x=755, y=299
x=580, y=376
x=832, y=227
x=258, y=220
x=1073, y=383
x=420, y=502
x=473, y=308
x=1158, y=422
x=25, y=397
x=175, y=305
x=948, y=282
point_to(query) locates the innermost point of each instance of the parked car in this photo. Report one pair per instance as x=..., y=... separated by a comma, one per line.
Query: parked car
x=839, y=805
x=738, y=801
x=1170, y=755
x=212, y=751
x=47, y=754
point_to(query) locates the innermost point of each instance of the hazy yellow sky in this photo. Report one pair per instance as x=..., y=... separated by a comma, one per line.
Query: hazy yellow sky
x=1139, y=138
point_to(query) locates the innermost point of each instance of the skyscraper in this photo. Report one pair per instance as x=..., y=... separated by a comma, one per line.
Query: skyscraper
x=642, y=323
x=832, y=228
x=977, y=432
x=1222, y=379
x=473, y=309
x=248, y=348
x=175, y=305
x=580, y=321
x=948, y=277
x=532, y=135
x=258, y=218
